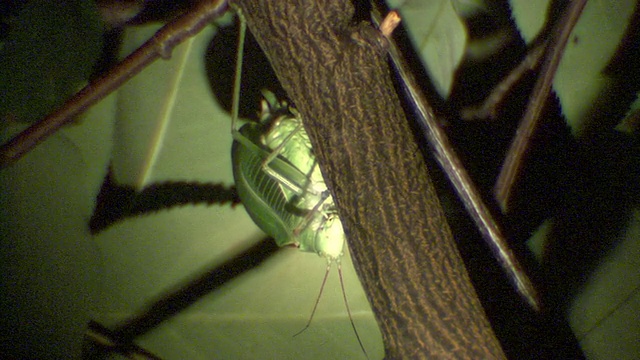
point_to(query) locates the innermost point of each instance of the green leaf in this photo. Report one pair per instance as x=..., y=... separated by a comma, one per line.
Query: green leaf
x=47, y=260
x=530, y=17
x=580, y=79
x=48, y=256
x=439, y=36
x=168, y=127
x=630, y=124
x=171, y=128
x=604, y=295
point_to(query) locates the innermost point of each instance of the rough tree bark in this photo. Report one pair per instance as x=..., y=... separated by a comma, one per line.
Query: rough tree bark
x=336, y=74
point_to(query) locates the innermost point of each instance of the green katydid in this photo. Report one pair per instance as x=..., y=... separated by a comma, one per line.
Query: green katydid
x=280, y=184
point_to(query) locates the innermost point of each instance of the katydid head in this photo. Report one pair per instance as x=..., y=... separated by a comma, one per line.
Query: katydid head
x=329, y=239
x=271, y=107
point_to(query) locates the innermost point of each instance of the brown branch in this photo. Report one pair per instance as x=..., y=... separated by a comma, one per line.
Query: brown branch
x=464, y=186
x=515, y=156
x=160, y=45
x=103, y=342
x=403, y=251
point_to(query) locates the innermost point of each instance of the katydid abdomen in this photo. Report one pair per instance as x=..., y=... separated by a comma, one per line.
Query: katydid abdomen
x=281, y=186
x=282, y=189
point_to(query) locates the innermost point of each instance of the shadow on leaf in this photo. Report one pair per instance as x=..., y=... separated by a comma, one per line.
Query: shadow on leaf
x=117, y=202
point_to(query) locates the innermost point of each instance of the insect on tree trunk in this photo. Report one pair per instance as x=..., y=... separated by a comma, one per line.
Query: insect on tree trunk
x=336, y=74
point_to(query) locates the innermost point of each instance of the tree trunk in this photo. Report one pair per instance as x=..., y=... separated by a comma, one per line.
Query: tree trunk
x=336, y=74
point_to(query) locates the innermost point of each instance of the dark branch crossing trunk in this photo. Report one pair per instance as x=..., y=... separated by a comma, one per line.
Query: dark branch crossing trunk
x=336, y=74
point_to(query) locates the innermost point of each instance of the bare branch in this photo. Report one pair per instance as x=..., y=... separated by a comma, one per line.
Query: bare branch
x=465, y=188
x=489, y=107
x=514, y=160
x=160, y=45
x=404, y=253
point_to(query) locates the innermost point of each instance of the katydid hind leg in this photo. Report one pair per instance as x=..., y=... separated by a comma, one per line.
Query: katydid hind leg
x=235, y=104
x=296, y=188
x=310, y=216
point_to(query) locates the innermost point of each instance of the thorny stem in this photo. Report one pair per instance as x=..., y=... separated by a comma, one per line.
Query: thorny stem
x=515, y=156
x=160, y=45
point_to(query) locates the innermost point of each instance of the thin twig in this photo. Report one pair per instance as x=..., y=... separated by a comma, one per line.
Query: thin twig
x=514, y=160
x=160, y=45
x=489, y=107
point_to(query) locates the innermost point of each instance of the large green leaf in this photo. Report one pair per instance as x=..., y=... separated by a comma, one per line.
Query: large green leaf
x=170, y=128
x=580, y=80
x=49, y=261
x=439, y=36
x=602, y=310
